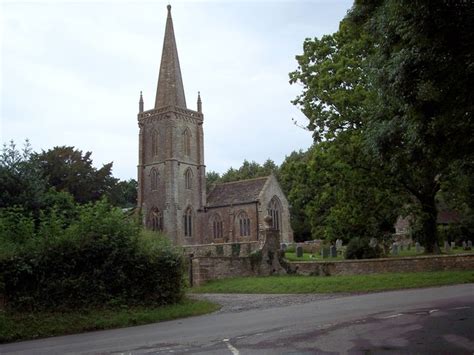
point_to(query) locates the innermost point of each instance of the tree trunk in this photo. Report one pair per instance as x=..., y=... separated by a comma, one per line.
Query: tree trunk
x=428, y=220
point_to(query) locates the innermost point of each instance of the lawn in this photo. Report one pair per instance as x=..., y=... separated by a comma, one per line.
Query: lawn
x=21, y=326
x=334, y=284
x=291, y=256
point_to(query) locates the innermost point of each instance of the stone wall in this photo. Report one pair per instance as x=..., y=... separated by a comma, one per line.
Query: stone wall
x=263, y=260
x=376, y=266
x=236, y=249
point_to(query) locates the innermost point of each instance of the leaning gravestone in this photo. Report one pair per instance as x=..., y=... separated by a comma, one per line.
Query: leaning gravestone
x=417, y=247
x=325, y=253
x=394, y=249
x=333, y=251
x=299, y=251
x=446, y=247
x=469, y=244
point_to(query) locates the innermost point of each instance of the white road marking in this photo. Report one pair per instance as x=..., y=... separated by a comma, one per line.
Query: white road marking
x=393, y=316
x=232, y=349
x=461, y=307
x=433, y=310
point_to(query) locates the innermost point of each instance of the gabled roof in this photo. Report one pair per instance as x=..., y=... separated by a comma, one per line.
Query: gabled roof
x=170, y=90
x=236, y=192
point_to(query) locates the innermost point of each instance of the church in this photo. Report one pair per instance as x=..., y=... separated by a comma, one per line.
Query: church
x=172, y=194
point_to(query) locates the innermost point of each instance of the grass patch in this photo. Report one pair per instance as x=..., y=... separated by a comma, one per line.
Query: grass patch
x=334, y=284
x=291, y=256
x=16, y=326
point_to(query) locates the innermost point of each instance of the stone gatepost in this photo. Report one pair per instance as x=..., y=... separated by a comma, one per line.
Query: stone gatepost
x=270, y=263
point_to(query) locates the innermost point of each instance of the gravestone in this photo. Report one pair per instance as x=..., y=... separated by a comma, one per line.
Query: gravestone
x=283, y=246
x=453, y=244
x=373, y=242
x=333, y=251
x=417, y=247
x=446, y=247
x=469, y=244
x=464, y=244
x=394, y=249
x=325, y=253
x=338, y=243
x=299, y=251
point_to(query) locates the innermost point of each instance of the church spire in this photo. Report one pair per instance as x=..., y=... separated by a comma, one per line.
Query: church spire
x=199, y=103
x=170, y=90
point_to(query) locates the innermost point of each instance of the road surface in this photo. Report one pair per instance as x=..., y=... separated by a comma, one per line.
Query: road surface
x=431, y=320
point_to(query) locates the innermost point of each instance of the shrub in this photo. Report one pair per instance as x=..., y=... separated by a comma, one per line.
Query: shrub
x=99, y=258
x=359, y=248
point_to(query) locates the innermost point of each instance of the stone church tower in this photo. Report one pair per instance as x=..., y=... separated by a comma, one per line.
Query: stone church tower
x=171, y=170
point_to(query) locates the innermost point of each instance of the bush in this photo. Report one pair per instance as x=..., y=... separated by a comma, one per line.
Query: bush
x=359, y=248
x=99, y=258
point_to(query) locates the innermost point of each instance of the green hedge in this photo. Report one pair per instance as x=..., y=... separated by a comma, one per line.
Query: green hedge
x=101, y=258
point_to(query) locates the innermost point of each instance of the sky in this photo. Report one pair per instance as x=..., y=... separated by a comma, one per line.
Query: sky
x=71, y=74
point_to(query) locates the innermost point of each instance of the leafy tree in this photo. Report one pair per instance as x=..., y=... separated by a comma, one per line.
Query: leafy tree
x=211, y=178
x=396, y=72
x=250, y=170
x=68, y=169
x=20, y=182
x=123, y=193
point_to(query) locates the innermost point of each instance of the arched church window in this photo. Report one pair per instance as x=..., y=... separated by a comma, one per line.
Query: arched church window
x=188, y=177
x=154, y=175
x=154, y=143
x=274, y=211
x=155, y=219
x=187, y=142
x=188, y=222
x=217, y=226
x=244, y=224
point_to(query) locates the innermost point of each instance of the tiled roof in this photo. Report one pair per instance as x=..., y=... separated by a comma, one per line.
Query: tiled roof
x=236, y=192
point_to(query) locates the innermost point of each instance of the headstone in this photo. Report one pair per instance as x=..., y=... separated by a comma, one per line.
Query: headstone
x=333, y=251
x=417, y=247
x=464, y=244
x=338, y=243
x=325, y=253
x=453, y=245
x=469, y=244
x=446, y=247
x=394, y=249
x=373, y=242
x=299, y=251
x=284, y=246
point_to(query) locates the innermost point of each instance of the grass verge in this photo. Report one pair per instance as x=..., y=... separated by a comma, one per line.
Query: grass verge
x=16, y=326
x=334, y=284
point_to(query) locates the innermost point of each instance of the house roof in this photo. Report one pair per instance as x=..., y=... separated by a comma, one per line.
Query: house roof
x=236, y=192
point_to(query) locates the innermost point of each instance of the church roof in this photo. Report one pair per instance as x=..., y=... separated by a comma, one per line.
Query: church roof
x=236, y=192
x=170, y=90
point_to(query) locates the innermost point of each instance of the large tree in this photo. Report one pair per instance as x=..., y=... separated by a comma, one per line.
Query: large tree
x=68, y=169
x=397, y=72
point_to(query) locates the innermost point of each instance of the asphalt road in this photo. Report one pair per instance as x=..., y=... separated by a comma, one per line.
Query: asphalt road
x=432, y=320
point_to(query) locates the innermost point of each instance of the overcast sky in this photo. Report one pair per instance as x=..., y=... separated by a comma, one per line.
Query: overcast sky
x=71, y=73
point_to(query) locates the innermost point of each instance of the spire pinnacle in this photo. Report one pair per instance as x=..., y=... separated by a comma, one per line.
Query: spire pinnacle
x=170, y=90
x=199, y=103
x=140, y=103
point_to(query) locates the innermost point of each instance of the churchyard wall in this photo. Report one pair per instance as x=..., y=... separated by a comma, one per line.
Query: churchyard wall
x=376, y=266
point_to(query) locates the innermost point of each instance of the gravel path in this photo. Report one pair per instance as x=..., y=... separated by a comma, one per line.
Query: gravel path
x=233, y=303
